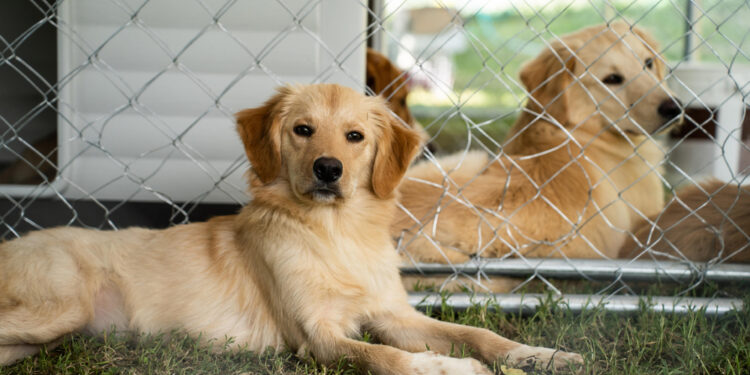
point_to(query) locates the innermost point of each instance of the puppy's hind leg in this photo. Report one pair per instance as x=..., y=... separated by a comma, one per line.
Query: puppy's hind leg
x=24, y=330
x=41, y=323
x=45, y=293
x=12, y=353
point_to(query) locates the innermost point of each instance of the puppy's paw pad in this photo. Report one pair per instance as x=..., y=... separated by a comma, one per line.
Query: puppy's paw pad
x=429, y=363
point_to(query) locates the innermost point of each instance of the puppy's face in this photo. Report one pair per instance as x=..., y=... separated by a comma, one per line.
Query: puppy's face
x=612, y=73
x=327, y=143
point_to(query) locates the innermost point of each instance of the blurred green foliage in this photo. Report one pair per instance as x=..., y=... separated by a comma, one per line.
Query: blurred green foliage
x=500, y=43
x=486, y=72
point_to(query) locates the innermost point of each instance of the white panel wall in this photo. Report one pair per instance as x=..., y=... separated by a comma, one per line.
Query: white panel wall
x=146, y=100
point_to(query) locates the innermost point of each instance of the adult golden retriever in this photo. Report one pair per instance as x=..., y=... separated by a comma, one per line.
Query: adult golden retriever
x=579, y=168
x=305, y=266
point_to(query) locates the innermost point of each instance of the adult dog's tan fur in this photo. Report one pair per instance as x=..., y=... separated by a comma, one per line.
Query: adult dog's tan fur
x=577, y=172
x=298, y=268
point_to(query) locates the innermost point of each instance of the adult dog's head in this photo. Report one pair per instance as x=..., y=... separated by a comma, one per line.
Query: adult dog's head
x=611, y=74
x=324, y=143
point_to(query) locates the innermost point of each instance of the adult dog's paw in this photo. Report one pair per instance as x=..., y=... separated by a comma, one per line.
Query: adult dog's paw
x=430, y=363
x=528, y=357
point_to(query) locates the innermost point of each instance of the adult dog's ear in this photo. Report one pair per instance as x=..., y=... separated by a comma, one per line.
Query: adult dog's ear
x=653, y=45
x=548, y=77
x=260, y=132
x=375, y=67
x=395, y=150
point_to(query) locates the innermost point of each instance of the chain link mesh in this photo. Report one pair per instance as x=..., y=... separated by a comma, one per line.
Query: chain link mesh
x=112, y=112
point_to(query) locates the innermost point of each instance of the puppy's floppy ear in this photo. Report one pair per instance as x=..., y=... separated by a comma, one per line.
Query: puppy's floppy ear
x=260, y=132
x=395, y=150
x=547, y=78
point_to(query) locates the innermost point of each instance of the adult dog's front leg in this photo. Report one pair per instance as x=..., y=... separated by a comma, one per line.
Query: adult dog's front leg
x=414, y=332
x=328, y=346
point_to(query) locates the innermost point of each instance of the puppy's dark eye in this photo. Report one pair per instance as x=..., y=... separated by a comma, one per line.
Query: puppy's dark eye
x=613, y=79
x=303, y=130
x=402, y=102
x=649, y=63
x=354, y=137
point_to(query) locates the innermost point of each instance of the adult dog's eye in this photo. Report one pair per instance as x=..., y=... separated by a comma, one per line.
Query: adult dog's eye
x=649, y=63
x=354, y=137
x=613, y=79
x=303, y=130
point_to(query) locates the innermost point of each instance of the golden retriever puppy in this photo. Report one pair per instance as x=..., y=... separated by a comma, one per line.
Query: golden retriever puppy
x=710, y=221
x=306, y=266
x=579, y=167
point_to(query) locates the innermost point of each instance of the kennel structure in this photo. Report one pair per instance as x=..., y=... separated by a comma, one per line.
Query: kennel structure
x=119, y=112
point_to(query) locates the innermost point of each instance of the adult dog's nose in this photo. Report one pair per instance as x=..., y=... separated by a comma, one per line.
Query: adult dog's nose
x=670, y=108
x=327, y=169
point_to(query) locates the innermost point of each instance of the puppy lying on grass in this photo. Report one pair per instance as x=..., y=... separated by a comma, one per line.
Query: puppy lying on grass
x=306, y=266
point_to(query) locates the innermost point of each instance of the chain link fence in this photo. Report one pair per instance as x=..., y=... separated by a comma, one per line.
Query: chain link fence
x=119, y=112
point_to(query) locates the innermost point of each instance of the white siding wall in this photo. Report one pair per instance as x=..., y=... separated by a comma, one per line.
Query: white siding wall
x=136, y=125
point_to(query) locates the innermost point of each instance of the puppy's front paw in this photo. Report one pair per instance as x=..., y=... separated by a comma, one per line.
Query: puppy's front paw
x=545, y=358
x=430, y=363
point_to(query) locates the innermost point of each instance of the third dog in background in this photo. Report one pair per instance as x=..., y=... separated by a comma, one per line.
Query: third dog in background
x=701, y=223
x=581, y=168
x=388, y=81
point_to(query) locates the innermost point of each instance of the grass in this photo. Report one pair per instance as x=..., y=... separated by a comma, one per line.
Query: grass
x=640, y=343
x=451, y=133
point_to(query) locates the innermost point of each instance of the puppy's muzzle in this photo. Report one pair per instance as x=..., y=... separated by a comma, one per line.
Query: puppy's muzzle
x=327, y=170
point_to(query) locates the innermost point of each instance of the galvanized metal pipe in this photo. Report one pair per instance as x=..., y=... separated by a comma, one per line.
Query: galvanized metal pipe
x=528, y=303
x=591, y=269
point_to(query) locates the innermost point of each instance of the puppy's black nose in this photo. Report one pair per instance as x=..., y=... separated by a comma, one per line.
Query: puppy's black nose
x=327, y=169
x=670, y=108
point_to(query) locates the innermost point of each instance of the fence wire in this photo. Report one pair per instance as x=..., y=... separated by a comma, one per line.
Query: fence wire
x=119, y=112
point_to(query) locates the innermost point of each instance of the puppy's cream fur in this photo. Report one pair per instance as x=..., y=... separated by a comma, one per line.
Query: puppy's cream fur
x=578, y=170
x=294, y=269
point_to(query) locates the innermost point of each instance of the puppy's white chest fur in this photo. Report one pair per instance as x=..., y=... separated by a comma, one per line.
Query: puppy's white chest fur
x=341, y=274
